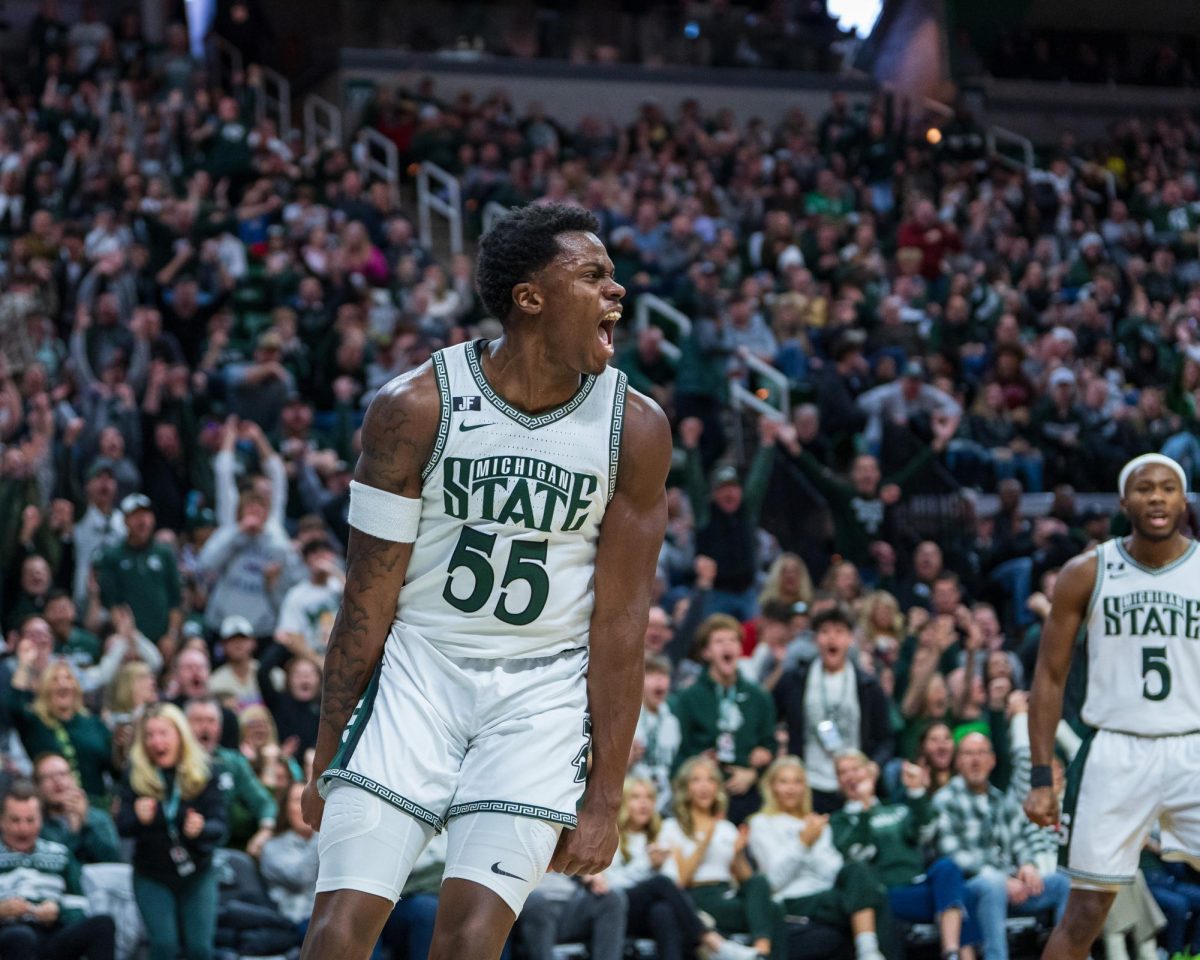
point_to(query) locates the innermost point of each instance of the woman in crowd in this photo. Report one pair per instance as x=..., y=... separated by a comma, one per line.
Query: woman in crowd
x=788, y=581
x=880, y=631
x=174, y=810
x=275, y=765
x=296, y=708
x=289, y=862
x=794, y=849
x=55, y=721
x=708, y=857
x=891, y=840
x=935, y=752
x=658, y=910
x=844, y=582
x=132, y=690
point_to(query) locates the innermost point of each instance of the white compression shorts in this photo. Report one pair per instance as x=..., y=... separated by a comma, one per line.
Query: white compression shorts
x=367, y=844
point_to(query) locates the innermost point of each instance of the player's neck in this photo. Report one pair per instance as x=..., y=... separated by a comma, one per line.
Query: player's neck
x=527, y=374
x=1157, y=553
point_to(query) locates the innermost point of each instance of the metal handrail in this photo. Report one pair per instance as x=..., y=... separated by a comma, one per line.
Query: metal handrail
x=223, y=49
x=997, y=134
x=449, y=206
x=322, y=122
x=273, y=98
x=776, y=377
x=492, y=211
x=742, y=398
x=387, y=169
x=648, y=303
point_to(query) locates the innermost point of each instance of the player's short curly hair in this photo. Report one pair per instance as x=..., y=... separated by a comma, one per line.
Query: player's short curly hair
x=519, y=245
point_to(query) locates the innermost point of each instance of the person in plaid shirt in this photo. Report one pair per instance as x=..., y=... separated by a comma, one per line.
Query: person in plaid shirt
x=985, y=832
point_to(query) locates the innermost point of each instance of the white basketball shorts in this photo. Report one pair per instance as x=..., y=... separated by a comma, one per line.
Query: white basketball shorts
x=1118, y=787
x=438, y=736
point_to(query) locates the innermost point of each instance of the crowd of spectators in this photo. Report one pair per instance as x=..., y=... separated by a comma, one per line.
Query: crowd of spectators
x=194, y=314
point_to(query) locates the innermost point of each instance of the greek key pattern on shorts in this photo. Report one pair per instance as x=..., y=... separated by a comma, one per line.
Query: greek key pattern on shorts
x=403, y=803
x=517, y=809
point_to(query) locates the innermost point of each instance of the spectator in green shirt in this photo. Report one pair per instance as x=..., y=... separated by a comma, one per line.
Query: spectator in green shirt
x=43, y=908
x=252, y=809
x=144, y=575
x=726, y=717
x=55, y=721
x=80, y=646
x=86, y=831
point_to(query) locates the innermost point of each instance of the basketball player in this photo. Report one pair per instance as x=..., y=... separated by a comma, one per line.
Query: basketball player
x=1138, y=599
x=506, y=515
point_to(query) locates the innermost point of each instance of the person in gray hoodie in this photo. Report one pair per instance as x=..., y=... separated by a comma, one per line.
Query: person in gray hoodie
x=251, y=564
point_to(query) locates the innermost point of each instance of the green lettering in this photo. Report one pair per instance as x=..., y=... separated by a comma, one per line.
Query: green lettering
x=553, y=499
x=519, y=507
x=581, y=491
x=1154, y=622
x=456, y=475
x=489, y=488
x=1112, y=617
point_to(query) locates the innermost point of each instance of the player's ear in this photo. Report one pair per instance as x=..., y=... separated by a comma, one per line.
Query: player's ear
x=528, y=298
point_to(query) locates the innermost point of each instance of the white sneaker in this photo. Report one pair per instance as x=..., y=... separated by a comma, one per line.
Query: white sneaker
x=732, y=950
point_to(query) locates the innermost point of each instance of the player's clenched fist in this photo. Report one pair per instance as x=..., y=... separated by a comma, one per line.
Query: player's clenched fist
x=1041, y=806
x=589, y=848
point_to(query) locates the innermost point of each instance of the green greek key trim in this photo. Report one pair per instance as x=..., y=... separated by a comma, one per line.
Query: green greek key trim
x=473, y=351
x=1156, y=571
x=443, y=434
x=1100, y=563
x=516, y=809
x=395, y=799
x=358, y=720
x=614, y=436
x=1071, y=798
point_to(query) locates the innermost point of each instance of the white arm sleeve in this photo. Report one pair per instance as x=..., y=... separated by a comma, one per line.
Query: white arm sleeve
x=387, y=516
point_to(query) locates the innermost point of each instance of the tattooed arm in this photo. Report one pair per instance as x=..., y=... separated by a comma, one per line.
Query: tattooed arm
x=397, y=437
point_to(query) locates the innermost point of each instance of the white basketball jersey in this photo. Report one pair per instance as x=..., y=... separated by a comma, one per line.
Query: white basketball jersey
x=1143, y=645
x=504, y=560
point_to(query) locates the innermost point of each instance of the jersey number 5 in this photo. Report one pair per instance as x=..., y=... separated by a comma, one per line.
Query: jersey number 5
x=1154, y=660
x=526, y=561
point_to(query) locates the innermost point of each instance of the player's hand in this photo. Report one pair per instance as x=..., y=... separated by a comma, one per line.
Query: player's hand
x=312, y=805
x=1041, y=806
x=589, y=848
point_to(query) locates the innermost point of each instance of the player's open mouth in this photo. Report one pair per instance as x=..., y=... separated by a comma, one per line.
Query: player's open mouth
x=1158, y=519
x=607, y=325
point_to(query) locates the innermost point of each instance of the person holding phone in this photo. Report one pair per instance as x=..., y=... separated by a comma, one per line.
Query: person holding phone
x=172, y=807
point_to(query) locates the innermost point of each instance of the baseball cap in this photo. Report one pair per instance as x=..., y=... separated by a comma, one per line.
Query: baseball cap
x=1060, y=376
x=135, y=502
x=914, y=369
x=236, y=625
x=103, y=465
x=723, y=476
x=270, y=340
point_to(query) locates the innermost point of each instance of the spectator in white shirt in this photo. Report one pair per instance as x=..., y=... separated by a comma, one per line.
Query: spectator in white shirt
x=310, y=606
x=708, y=857
x=657, y=737
x=658, y=909
x=235, y=682
x=101, y=526
x=794, y=849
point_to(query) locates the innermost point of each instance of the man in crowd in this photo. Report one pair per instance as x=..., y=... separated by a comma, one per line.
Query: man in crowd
x=998, y=850
x=41, y=896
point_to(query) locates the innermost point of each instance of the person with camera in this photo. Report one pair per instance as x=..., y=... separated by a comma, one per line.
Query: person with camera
x=173, y=808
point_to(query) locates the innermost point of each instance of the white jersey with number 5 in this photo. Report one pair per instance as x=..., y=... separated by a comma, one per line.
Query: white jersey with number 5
x=1143, y=645
x=504, y=560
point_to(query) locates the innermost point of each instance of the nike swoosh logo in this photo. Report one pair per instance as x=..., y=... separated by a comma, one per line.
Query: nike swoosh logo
x=496, y=865
x=464, y=427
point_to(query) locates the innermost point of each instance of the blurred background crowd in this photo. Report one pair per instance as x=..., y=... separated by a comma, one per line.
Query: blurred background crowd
x=195, y=312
